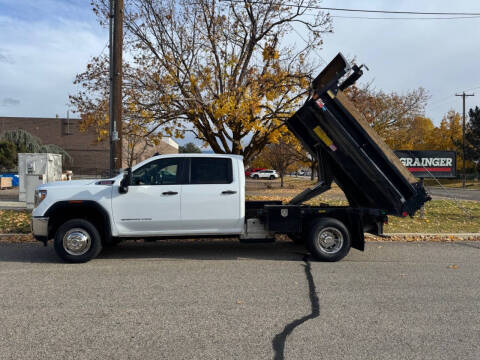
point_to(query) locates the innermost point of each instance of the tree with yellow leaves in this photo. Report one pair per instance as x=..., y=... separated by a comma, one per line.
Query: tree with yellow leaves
x=223, y=70
x=141, y=125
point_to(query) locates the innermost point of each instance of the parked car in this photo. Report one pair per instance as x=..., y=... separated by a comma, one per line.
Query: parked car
x=264, y=174
x=252, y=170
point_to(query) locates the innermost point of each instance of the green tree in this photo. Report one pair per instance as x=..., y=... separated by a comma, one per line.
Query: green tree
x=8, y=155
x=189, y=148
x=472, y=136
x=25, y=142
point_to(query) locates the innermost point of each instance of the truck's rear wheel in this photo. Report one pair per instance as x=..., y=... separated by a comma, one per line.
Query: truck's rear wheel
x=77, y=241
x=328, y=240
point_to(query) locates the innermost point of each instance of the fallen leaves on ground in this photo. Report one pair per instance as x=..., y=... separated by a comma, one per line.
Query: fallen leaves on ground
x=422, y=237
x=15, y=221
x=17, y=238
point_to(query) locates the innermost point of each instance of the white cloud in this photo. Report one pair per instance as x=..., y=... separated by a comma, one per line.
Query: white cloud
x=43, y=58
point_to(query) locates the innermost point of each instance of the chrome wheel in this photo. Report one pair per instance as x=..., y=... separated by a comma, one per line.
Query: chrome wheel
x=330, y=240
x=77, y=241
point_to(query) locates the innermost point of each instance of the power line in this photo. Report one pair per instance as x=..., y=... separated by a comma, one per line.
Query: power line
x=357, y=10
x=314, y=49
x=405, y=18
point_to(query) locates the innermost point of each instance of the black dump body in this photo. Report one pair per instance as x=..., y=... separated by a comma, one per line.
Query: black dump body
x=348, y=149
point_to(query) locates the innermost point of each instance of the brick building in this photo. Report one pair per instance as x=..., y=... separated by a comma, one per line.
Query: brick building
x=89, y=156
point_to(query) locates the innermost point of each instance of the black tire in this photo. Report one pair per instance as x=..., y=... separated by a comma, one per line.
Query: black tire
x=82, y=229
x=272, y=177
x=297, y=238
x=256, y=177
x=334, y=233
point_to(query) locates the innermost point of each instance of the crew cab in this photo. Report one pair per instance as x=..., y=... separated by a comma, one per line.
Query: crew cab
x=200, y=195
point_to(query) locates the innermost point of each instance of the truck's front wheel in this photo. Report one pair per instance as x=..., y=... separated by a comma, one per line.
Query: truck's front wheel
x=77, y=241
x=328, y=240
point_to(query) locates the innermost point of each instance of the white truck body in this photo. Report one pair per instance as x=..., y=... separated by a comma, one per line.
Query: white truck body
x=149, y=210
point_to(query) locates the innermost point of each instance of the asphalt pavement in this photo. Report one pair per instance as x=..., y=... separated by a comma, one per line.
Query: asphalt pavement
x=226, y=300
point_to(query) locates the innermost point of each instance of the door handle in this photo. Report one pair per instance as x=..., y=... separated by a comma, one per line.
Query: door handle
x=229, y=192
x=169, y=193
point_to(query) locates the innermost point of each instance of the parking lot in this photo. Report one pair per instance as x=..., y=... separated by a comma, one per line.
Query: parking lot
x=222, y=299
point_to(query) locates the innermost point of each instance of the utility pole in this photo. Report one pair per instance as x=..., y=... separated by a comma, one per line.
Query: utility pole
x=463, y=95
x=115, y=105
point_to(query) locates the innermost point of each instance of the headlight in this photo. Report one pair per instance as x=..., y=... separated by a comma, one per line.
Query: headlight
x=39, y=196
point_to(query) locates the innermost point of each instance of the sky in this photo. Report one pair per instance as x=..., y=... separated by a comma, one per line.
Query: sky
x=45, y=43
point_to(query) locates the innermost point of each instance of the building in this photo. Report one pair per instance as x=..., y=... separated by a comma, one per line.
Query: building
x=90, y=157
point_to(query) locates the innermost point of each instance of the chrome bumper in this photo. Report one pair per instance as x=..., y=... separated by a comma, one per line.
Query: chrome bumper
x=40, y=227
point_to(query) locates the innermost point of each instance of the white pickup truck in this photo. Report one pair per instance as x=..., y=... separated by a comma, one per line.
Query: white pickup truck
x=200, y=195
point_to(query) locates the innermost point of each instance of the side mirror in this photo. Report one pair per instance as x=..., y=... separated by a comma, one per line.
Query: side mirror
x=125, y=182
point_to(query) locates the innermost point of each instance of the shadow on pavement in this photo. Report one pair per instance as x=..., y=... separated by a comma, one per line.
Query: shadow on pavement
x=162, y=249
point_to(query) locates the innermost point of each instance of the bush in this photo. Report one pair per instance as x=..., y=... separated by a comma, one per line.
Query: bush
x=8, y=155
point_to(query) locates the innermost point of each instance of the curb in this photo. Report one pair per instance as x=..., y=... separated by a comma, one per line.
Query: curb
x=416, y=237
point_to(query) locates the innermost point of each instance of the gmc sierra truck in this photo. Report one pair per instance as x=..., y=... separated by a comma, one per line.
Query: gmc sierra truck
x=200, y=195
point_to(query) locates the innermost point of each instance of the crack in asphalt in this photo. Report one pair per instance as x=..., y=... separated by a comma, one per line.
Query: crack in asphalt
x=278, y=342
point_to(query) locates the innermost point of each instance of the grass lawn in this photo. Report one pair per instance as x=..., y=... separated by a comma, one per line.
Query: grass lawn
x=441, y=216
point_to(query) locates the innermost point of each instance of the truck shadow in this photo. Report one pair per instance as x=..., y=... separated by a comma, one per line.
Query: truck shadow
x=208, y=249
x=211, y=249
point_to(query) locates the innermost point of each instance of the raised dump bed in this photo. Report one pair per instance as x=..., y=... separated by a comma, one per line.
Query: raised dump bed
x=349, y=151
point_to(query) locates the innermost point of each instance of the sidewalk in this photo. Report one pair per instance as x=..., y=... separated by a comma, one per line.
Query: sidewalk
x=13, y=205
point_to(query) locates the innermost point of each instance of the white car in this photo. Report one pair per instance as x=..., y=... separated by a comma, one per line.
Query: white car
x=264, y=174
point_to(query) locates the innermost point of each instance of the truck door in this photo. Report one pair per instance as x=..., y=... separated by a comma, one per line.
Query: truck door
x=152, y=204
x=211, y=199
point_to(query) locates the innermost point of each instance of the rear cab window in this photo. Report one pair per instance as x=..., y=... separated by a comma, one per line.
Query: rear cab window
x=211, y=170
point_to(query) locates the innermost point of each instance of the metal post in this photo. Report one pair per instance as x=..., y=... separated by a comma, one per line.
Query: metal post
x=115, y=104
x=422, y=209
x=463, y=95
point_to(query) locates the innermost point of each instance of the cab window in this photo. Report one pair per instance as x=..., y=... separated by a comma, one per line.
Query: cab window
x=158, y=172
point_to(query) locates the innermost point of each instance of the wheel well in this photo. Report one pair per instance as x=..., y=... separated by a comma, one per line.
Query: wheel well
x=91, y=211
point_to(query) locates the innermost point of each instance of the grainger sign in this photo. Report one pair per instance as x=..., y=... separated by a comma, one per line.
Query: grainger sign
x=429, y=163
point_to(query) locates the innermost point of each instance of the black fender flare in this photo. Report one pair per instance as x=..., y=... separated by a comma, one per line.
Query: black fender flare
x=78, y=207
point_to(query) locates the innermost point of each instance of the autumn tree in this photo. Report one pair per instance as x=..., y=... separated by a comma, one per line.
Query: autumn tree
x=390, y=114
x=141, y=124
x=223, y=70
x=281, y=155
